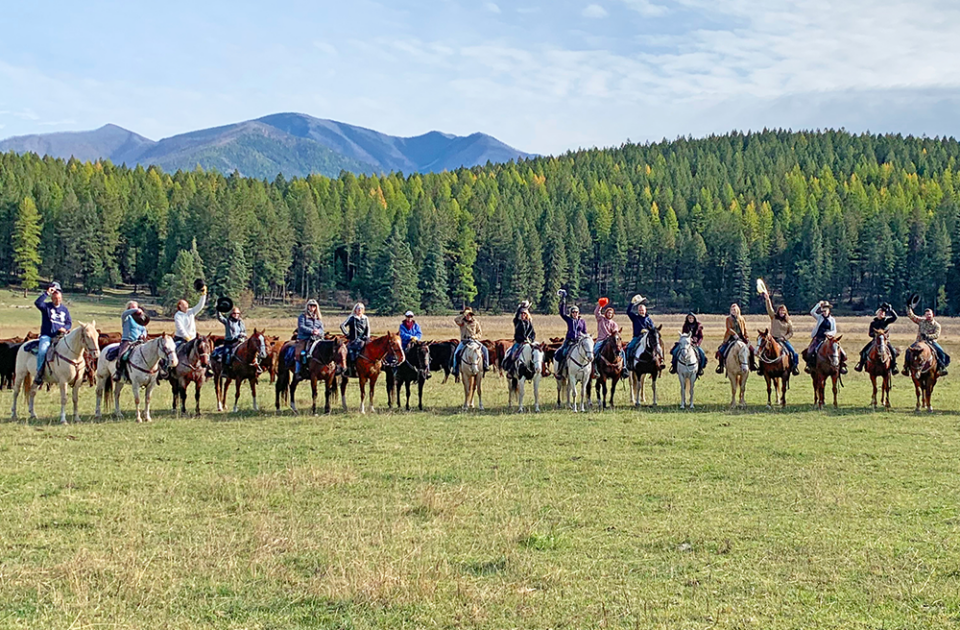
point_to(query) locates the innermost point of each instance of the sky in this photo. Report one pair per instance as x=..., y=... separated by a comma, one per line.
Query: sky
x=542, y=76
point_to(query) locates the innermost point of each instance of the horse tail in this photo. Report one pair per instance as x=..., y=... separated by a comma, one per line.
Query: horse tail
x=27, y=383
x=108, y=385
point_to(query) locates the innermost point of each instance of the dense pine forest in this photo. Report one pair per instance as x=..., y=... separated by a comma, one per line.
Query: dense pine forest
x=691, y=223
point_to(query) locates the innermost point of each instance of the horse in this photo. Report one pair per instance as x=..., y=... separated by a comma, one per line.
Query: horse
x=878, y=365
x=688, y=365
x=774, y=366
x=527, y=365
x=471, y=373
x=142, y=367
x=737, y=365
x=921, y=361
x=369, y=363
x=648, y=359
x=577, y=371
x=244, y=366
x=607, y=365
x=65, y=366
x=415, y=369
x=193, y=359
x=326, y=359
x=826, y=365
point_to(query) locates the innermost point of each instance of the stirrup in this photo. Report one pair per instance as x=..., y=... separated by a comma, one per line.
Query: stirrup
x=859, y=367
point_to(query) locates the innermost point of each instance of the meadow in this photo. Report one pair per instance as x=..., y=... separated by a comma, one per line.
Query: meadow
x=649, y=518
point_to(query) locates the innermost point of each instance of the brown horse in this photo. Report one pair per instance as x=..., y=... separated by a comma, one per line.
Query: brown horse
x=193, y=359
x=879, y=364
x=921, y=362
x=775, y=367
x=826, y=365
x=369, y=363
x=327, y=359
x=607, y=366
x=648, y=361
x=244, y=366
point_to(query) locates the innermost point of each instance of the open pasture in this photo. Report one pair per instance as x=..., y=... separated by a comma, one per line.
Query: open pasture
x=637, y=519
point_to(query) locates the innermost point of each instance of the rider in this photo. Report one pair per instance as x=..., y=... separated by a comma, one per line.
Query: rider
x=133, y=332
x=885, y=316
x=929, y=331
x=409, y=330
x=523, y=332
x=692, y=327
x=826, y=327
x=469, y=331
x=309, y=328
x=736, y=329
x=234, y=333
x=642, y=324
x=185, y=319
x=576, y=327
x=54, y=320
x=356, y=327
x=781, y=329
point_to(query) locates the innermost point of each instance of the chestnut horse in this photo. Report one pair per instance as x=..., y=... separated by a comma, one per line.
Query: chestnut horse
x=826, y=365
x=774, y=366
x=879, y=364
x=244, y=366
x=607, y=366
x=921, y=361
x=193, y=359
x=369, y=363
x=327, y=358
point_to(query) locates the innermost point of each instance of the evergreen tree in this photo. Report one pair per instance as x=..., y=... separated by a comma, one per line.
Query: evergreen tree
x=178, y=284
x=26, y=244
x=397, y=288
x=232, y=275
x=434, y=298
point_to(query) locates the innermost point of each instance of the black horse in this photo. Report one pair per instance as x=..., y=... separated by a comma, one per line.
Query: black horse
x=415, y=368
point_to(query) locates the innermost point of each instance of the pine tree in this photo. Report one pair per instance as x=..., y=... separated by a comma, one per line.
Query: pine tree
x=233, y=275
x=397, y=288
x=178, y=284
x=433, y=281
x=26, y=244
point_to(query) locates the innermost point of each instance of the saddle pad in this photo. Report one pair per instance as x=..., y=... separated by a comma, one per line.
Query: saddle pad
x=111, y=351
x=290, y=355
x=31, y=346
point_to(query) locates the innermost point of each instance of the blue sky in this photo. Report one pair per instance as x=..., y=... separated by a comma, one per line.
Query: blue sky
x=542, y=76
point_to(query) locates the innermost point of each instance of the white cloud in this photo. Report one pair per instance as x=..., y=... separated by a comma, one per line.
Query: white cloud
x=326, y=47
x=646, y=8
x=492, y=7
x=594, y=11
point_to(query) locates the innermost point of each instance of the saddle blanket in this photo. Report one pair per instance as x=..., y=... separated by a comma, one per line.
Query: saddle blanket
x=31, y=346
x=112, y=351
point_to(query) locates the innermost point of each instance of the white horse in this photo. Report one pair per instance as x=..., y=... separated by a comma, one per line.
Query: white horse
x=65, y=366
x=688, y=364
x=737, y=365
x=527, y=365
x=142, y=368
x=471, y=373
x=577, y=373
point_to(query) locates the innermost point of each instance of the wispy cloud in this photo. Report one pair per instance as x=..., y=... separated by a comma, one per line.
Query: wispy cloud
x=647, y=8
x=492, y=7
x=594, y=11
x=326, y=47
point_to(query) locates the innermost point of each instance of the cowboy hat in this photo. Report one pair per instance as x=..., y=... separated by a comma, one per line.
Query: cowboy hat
x=761, y=286
x=141, y=318
x=224, y=304
x=638, y=299
x=914, y=301
x=198, y=284
x=467, y=309
x=826, y=304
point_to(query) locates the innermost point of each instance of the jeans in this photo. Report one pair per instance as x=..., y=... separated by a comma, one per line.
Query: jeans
x=43, y=344
x=794, y=359
x=942, y=357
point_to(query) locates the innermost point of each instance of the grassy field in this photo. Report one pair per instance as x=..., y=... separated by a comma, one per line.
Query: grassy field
x=651, y=518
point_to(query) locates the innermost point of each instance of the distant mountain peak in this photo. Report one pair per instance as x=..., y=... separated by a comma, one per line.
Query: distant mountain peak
x=290, y=143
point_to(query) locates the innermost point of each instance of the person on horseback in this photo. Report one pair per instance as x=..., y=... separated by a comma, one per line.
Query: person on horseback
x=309, y=329
x=885, y=316
x=642, y=324
x=781, y=329
x=409, y=330
x=54, y=320
x=606, y=326
x=469, y=331
x=928, y=330
x=185, y=319
x=736, y=329
x=234, y=333
x=826, y=326
x=133, y=332
x=356, y=328
x=692, y=327
x=523, y=332
x=576, y=327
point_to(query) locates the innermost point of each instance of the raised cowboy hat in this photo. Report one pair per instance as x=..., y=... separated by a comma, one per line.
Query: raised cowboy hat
x=141, y=318
x=198, y=284
x=914, y=301
x=224, y=304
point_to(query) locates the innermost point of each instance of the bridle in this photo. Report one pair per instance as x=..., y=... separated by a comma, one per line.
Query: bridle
x=160, y=341
x=688, y=347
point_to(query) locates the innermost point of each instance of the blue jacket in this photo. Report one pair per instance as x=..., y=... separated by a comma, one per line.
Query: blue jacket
x=575, y=327
x=131, y=329
x=409, y=334
x=306, y=326
x=53, y=317
x=640, y=323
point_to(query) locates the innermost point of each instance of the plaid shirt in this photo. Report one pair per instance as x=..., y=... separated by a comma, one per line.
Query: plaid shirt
x=928, y=331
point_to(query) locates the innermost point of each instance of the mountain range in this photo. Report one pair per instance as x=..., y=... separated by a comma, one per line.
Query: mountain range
x=290, y=144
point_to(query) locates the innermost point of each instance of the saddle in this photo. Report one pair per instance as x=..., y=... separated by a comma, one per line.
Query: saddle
x=114, y=349
x=31, y=346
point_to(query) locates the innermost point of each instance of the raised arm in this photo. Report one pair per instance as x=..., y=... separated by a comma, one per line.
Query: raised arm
x=815, y=311
x=41, y=301
x=199, y=307
x=913, y=317
x=220, y=317
x=770, y=311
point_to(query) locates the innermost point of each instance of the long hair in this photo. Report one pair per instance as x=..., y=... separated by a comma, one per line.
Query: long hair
x=786, y=313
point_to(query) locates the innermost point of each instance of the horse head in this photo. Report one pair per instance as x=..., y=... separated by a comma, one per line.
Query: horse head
x=204, y=349
x=91, y=337
x=831, y=350
x=166, y=347
x=421, y=357
x=261, y=343
x=395, y=346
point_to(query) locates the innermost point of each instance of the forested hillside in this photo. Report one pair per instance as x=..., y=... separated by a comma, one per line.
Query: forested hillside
x=691, y=223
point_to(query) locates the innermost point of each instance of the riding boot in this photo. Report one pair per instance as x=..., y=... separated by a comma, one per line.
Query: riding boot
x=796, y=370
x=753, y=360
x=673, y=365
x=118, y=374
x=719, y=364
x=843, y=362
x=40, y=373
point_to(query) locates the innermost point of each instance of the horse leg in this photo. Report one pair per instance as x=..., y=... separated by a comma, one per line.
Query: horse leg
x=683, y=391
x=770, y=387
x=733, y=389
x=136, y=400
x=343, y=392
x=406, y=387
x=521, y=386
x=834, y=390
x=63, y=403
x=330, y=385
x=479, y=378
x=536, y=393
x=693, y=382
x=313, y=391
x=116, y=399
x=873, y=399
x=373, y=389
x=363, y=394
x=218, y=389
x=253, y=391
x=146, y=398
x=420, y=383
x=76, y=400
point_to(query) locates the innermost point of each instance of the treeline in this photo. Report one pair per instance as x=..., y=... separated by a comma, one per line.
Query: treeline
x=856, y=219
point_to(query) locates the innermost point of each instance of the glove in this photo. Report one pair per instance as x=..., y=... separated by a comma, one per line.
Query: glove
x=636, y=299
x=603, y=302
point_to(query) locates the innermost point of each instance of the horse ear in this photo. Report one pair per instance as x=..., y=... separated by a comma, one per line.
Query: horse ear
x=837, y=339
x=660, y=327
